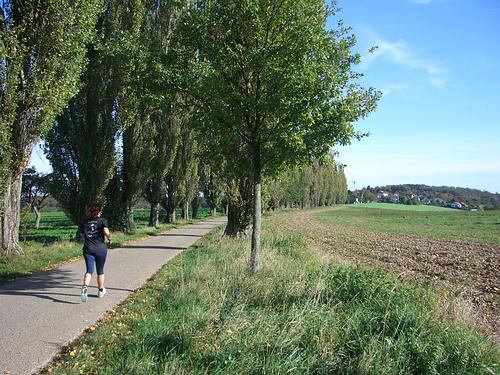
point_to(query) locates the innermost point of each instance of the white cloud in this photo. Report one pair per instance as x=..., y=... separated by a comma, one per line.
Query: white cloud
x=425, y=2
x=393, y=87
x=438, y=82
x=402, y=54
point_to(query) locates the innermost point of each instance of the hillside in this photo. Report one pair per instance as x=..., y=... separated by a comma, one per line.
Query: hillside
x=445, y=196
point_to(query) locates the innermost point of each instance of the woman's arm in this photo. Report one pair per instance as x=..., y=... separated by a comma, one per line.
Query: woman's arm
x=107, y=234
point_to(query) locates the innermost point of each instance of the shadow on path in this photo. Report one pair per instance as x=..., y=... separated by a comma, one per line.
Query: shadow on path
x=48, y=284
x=179, y=235
x=153, y=247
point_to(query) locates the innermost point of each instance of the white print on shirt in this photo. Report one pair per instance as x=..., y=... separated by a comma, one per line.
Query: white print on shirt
x=91, y=229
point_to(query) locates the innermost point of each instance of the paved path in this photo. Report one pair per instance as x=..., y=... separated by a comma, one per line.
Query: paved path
x=40, y=314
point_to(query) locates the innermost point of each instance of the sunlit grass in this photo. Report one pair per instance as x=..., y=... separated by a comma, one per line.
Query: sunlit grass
x=404, y=207
x=203, y=313
x=446, y=224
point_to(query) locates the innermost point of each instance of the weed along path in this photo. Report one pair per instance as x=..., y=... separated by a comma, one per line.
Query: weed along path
x=43, y=313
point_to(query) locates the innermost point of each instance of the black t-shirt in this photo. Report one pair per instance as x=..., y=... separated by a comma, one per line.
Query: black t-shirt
x=93, y=234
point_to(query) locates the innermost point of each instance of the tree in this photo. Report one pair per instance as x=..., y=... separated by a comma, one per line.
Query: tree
x=83, y=146
x=165, y=122
x=211, y=184
x=80, y=146
x=296, y=187
x=43, y=54
x=188, y=188
x=183, y=169
x=165, y=143
x=131, y=172
x=270, y=72
x=34, y=192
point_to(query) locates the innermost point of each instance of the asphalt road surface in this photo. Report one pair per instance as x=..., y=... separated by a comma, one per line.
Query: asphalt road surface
x=42, y=313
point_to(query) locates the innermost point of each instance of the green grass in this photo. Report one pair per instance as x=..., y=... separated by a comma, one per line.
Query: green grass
x=404, y=207
x=53, y=243
x=203, y=313
x=447, y=224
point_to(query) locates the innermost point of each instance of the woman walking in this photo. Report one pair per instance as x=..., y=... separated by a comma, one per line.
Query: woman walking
x=93, y=231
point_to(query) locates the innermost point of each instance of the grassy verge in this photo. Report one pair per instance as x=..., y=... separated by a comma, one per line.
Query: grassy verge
x=301, y=314
x=51, y=246
x=446, y=224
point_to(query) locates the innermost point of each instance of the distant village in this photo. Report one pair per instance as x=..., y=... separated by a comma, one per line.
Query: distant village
x=443, y=196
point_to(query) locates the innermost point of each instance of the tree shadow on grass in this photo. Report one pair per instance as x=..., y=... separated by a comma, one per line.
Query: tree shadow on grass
x=42, y=239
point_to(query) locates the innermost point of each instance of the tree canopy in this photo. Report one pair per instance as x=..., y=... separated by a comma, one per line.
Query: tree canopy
x=273, y=79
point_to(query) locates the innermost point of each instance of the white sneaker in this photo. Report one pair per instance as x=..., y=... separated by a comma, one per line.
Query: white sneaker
x=83, y=295
x=101, y=293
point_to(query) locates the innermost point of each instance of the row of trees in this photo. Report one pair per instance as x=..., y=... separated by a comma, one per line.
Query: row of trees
x=166, y=98
x=315, y=185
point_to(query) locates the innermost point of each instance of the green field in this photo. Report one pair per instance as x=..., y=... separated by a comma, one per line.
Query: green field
x=422, y=221
x=203, y=313
x=57, y=226
x=404, y=207
x=53, y=243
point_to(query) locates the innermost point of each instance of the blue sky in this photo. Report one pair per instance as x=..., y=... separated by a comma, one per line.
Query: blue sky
x=438, y=65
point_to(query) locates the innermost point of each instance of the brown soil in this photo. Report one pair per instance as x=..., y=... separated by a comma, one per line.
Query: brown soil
x=472, y=271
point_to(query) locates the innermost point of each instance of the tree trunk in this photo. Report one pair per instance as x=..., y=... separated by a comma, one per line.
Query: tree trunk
x=154, y=215
x=11, y=216
x=257, y=213
x=171, y=216
x=186, y=211
x=233, y=226
x=129, y=217
x=213, y=211
x=239, y=208
x=194, y=207
x=38, y=216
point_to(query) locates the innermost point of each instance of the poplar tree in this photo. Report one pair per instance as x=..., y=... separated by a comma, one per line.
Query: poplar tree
x=165, y=143
x=43, y=54
x=81, y=144
x=212, y=184
x=165, y=121
x=184, y=170
x=188, y=188
x=321, y=183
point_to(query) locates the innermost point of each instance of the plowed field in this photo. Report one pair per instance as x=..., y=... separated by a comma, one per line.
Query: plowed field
x=470, y=270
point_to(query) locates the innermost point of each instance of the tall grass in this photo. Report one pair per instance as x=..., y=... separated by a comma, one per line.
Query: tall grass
x=203, y=313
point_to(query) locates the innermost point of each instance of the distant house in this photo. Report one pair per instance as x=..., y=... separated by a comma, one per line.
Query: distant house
x=456, y=205
x=425, y=200
x=395, y=198
x=439, y=201
x=381, y=195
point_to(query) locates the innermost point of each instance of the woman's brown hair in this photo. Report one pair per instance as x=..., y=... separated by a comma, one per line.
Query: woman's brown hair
x=92, y=210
